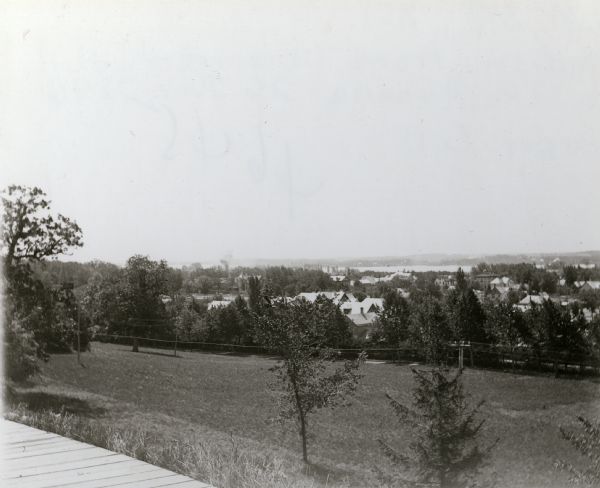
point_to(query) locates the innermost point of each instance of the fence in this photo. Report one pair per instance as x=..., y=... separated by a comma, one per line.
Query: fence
x=475, y=354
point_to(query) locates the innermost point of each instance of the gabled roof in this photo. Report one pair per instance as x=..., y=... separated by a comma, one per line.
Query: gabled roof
x=537, y=299
x=363, y=319
x=368, y=305
x=336, y=297
x=594, y=285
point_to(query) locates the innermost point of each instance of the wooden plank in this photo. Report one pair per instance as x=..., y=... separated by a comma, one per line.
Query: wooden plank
x=82, y=477
x=109, y=461
x=38, y=459
x=146, y=479
x=25, y=434
x=69, y=448
x=50, y=438
x=57, y=459
x=28, y=448
x=172, y=479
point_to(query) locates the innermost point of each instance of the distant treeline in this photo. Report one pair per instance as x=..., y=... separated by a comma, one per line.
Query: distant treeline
x=130, y=301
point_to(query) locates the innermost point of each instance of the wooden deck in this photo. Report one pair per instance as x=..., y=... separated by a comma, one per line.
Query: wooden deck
x=32, y=458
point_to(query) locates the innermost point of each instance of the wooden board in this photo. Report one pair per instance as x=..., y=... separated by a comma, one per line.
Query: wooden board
x=32, y=458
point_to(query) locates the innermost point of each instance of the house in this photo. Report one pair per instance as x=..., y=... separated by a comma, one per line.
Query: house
x=484, y=279
x=530, y=300
x=367, y=306
x=337, y=278
x=590, y=285
x=504, y=282
x=165, y=299
x=446, y=281
x=336, y=297
x=369, y=280
x=241, y=281
x=402, y=292
x=364, y=324
x=218, y=304
x=503, y=285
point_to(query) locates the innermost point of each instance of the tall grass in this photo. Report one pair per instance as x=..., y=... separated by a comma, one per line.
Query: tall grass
x=222, y=468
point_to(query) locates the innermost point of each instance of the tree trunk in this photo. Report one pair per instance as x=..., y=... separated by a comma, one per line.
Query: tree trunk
x=303, y=434
x=135, y=345
x=301, y=417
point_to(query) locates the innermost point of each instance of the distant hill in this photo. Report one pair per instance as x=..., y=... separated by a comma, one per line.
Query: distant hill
x=574, y=258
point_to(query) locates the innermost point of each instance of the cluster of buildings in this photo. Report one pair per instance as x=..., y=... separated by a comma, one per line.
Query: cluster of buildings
x=361, y=313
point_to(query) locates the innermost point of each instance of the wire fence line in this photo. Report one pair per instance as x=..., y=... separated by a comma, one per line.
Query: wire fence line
x=479, y=355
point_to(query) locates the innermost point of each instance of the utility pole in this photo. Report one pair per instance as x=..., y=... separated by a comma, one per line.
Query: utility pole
x=78, y=336
x=175, y=349
x=461, y=353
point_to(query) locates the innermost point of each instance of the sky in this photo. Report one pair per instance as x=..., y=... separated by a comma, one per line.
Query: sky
x=194, y=130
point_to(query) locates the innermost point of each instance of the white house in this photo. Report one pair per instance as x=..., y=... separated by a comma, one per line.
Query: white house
x=218, y=304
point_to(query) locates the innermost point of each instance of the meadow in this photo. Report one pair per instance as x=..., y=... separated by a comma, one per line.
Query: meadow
x=223, y=401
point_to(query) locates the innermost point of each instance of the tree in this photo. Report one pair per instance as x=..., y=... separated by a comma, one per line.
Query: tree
x=255, y=299
x=466, y=317
x=30, y=231
x=394, y=319
x=337, y=327
x=570, y=274
x=103, y=299
x=505, y=324
x=306, y=379
x=445, y=452
x=587, y=442
x=429, y=331
x=145, y=282
x=186, y=319
x=30, y=234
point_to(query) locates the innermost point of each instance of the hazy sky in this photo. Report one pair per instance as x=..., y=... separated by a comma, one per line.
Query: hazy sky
x=192, y=130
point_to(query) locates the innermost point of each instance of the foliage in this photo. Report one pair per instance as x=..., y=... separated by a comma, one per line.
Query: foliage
x=587, y=442
x=30, y=231
x=445, y=451
x=429, y=330
x=505, y=324
x=144, y=283
x=187, y=319
x=394, y=319
x=255, y=300
x=34, y=317
x=230, y=325
x=307, y=381
x=466, y=318
x=21, y=350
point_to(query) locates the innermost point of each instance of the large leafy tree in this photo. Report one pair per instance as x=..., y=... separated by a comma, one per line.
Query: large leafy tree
x=337, y=327
x=394, y=319
x=429, y=331
x=31, y=234
x=145, y=282
x=306, y=378
x=444, y=451
x=465, y=314
x=30, y=231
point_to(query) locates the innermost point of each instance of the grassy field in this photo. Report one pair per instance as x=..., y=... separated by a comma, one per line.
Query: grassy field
x=224, y=401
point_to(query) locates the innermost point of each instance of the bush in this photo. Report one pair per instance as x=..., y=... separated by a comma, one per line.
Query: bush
x=20, y=351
